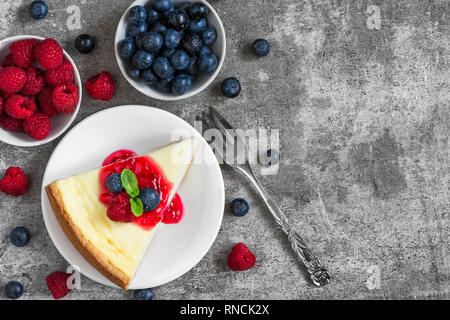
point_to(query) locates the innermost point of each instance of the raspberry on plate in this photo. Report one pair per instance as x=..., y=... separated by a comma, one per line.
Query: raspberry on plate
x=57, y=284
x=45, y=101
x=241, y=258
x=15, y=182
x=120, y=209
x=101, y=87
x=22, y=52
x=37, y=126
x=65, y=97
x=20, y=107
x=10, y=124
x=35, y=82
x=12, y=79
x=49, y=54
x=61, y=74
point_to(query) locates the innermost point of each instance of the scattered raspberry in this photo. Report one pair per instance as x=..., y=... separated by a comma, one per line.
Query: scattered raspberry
x=241, y=258
x=20, y=107
x=101, y=87
x=120, y=209
x=22, y=52
x=8, y=62
x=12, y=79
x=10, y=124
x=65, y=97
x=57, y=284
x=49, y=54
x=35, y=82
x=37, y=126
x=15, y=182
x=45, y=100
x=63, y=73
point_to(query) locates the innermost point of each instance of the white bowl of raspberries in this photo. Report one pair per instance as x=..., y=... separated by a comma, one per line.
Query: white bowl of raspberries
x=170, y=49
x=40, y=90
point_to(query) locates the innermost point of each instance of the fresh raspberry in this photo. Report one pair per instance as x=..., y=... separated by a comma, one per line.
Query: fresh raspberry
x=38, y=126
x=49, y=54
x=65, y=97
x=10, y=124
x=1, y=105
x=22, y=52
x=101, y=87
x=12, y=79
x=20, y=107
x=35, y=83
x=8, y=61
x=15, y=182
x=63, y=73
x=45, y=100
x=241, y=258
x=57, y=284
x=120, y=209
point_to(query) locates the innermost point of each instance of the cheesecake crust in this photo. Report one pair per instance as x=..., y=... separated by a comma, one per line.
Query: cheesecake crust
x=84, y=247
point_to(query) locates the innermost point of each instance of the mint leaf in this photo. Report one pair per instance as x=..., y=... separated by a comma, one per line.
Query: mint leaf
x=130, y=183
x=137, y=207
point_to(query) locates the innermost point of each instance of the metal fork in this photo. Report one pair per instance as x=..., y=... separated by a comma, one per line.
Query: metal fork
x=214, y=120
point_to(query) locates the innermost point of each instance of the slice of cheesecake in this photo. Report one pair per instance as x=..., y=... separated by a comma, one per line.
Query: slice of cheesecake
x=114, y=248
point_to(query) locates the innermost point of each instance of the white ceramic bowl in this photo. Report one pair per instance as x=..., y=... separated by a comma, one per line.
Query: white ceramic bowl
x=60, y=122
x=201, y=82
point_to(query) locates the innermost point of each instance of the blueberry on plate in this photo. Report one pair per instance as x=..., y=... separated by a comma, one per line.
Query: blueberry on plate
x=159, y=27
x=239, y=207
x=152, y=42
x=209, y=35
x=163, y=85
x=172, y=38
x=137, y=14
x=181, y=83
x=134, y=72
x=143, y=294
x=197, y=25
x=167, y=52
x=114, y=183
x=19, y=236
x=231, y=87
x=191, y=69
x=85, y=43
x=199, y=10
x=178, y=19
x=192, y=43
x=204, y=50
x=38, y=10
x=163, y=68
x=153, y=16
x=179, y=60
x=150, y=199
x=127, y=47
x=207, y=63
x=13, y=290
x=162, y=5
x=135, y=28
x=149, y=77
x=142, y=59
x=261, y=47
x=273, y=156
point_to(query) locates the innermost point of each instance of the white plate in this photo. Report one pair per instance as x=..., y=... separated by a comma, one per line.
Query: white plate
x=175, y=249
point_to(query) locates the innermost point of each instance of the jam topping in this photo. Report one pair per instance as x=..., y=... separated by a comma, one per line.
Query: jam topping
x=175, y=211
x=118, y=156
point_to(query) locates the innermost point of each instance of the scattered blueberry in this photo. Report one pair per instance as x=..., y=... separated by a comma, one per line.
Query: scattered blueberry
x=209, y=35
x=38, y=10
x=178, y=19
x=150, y=199
x=137, y=14
x=152, y=42
x=167, y=52
x=144, y=294
x=273, y=156
x=114, y=183
x=197, y=25
x=162, y=5
x=231, y=87
x=135, y=28
x=127, y=47
x=149, y=77
x=199, y=10
x=163, y=68
x=191, y=69
x=204, y=50
x=85, y=43
x=13, y=290
x=261, y=47
x=239, y=207
x=159, y=27
x=172, y=38
x=134, y=72
x=19, y=236
x=142, y=59
x=181, y=83
x=153, y=16
x=192, y=43
x=179, y=60
x=207, y=63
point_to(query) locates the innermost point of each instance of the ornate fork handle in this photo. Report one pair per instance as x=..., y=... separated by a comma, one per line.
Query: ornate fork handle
x=319, y=275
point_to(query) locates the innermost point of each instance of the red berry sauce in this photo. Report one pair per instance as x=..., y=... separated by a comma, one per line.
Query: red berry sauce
x=118, y=155
x=175, y=211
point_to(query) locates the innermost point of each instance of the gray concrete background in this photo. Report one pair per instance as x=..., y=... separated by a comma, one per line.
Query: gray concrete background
x=364, y=117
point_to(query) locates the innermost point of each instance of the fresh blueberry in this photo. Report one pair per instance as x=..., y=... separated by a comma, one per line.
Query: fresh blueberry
x=197, y=25
x=185, y=5
x=159, y=27
x=273, y=156
x=144, y=294
x=209, y=35
x=165, y=14
x=167, y=52
x=127, y=47
x=38, y=10
x=142, y=59
x=163, y=85
x=231, y=87
x=134, y=72
x=192, y=43
x=181, y=83
x=137, y=14
x=149, y=77
x=138, y=40
x=85, y=43
x=135, y=28
x=150, y=199
x=162, y=5
x=153, y=16
x=204, y=50
x=14, y=290
x=261, y=47
x=239, y=207
x=191, y=69
x=172, y=38
x=207, y=63
x=163, y=68
x=199, y=10
x=114, y=183
x=19, y=236
x=179, y=60
x=152, y=42
x=178, y=19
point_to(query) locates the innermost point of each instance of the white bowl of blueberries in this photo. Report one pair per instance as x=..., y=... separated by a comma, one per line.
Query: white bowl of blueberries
x=169, y=49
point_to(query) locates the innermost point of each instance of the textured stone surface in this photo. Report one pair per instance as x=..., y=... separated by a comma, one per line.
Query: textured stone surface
x=363, y=112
